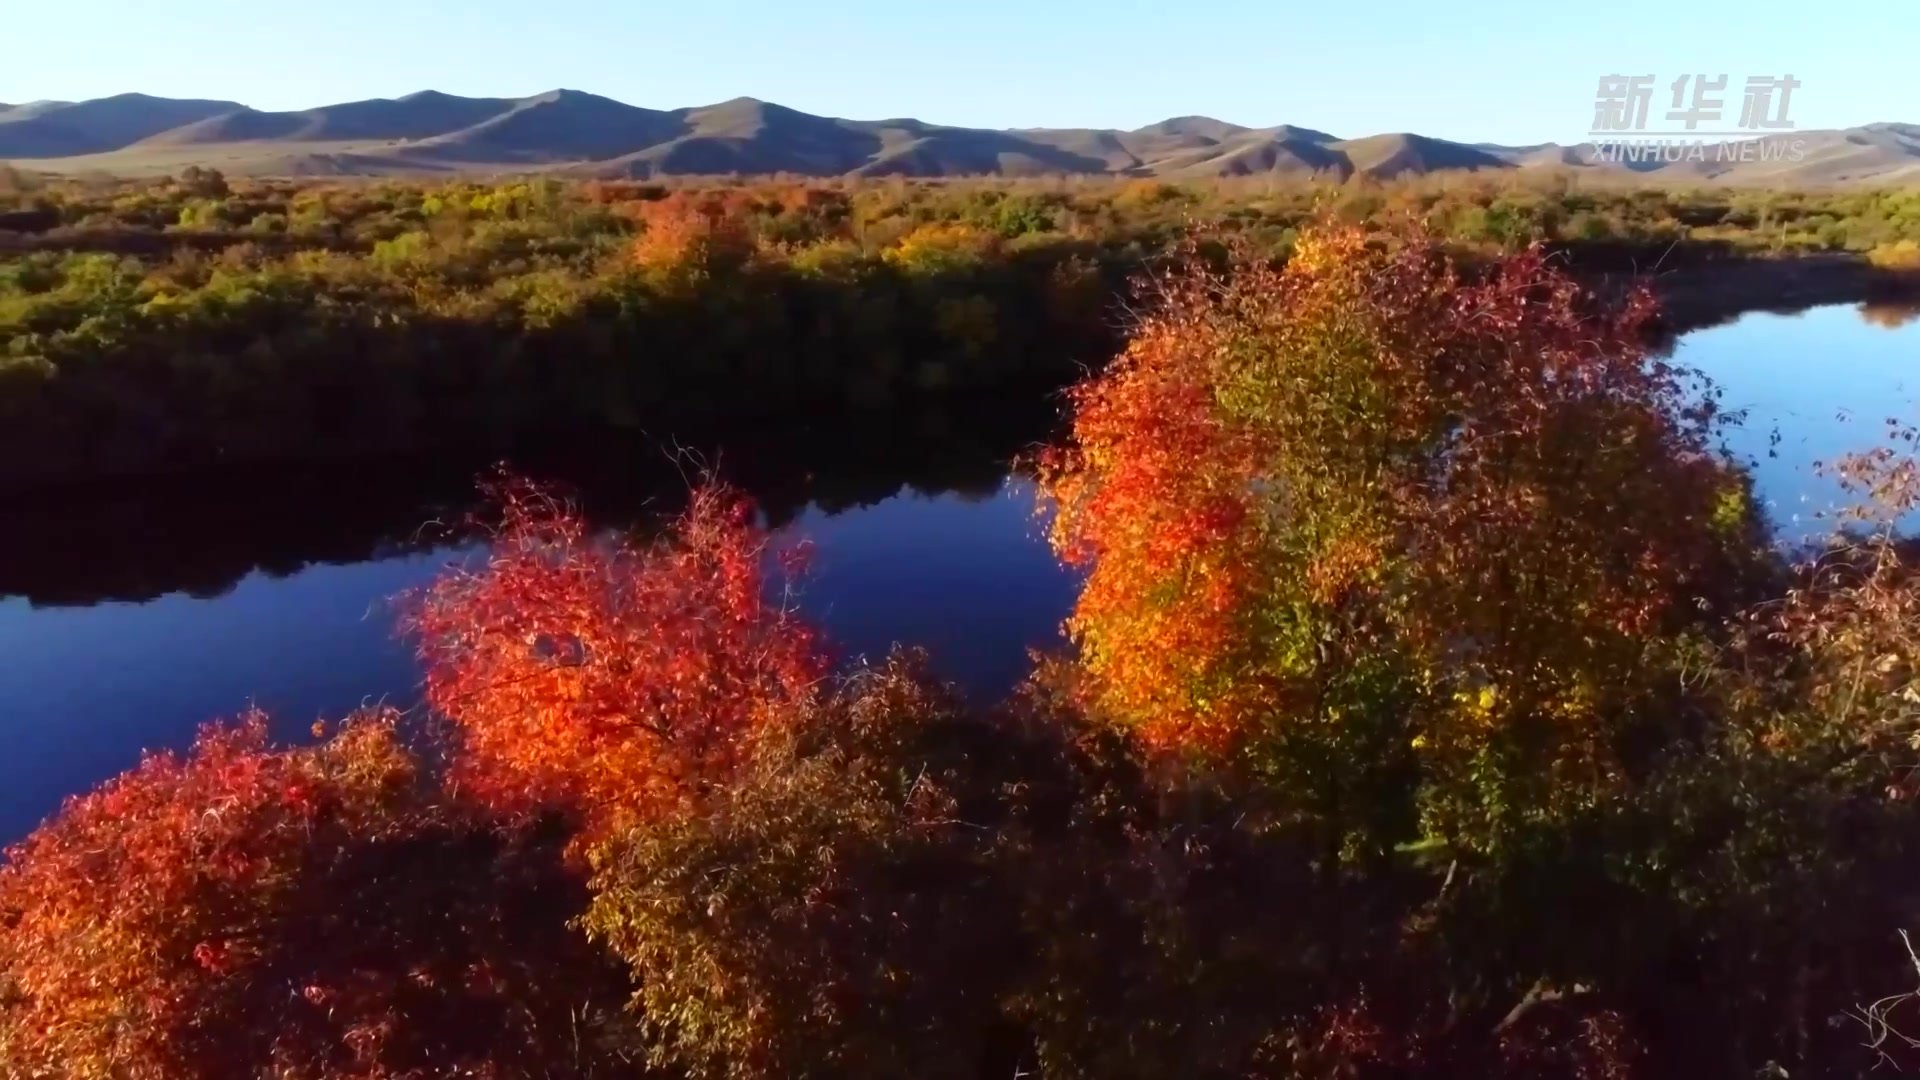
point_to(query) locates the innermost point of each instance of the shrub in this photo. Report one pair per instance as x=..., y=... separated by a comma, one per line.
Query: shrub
x=843, y=907
x=314, y=912
x=606, y=676
x=1359, y=510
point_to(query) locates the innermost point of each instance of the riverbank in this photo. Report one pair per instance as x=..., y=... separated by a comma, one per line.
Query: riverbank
x=1463, y=696
x=334, y=380
x=189, y=327
x=1708, y=294
x=92, y=543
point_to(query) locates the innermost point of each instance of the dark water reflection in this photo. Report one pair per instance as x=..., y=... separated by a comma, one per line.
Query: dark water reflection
x=130, y=615
x=134, y=614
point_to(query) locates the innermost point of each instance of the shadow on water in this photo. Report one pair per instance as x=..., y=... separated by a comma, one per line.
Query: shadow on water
x=131, y=615
x=139, y=541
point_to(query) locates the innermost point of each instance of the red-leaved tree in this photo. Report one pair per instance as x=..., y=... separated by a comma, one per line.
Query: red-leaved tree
x=1367, y=511
x=604, y=676
x=308, y=912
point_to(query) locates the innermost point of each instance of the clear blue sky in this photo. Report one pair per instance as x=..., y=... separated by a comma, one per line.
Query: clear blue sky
x=1503, y=70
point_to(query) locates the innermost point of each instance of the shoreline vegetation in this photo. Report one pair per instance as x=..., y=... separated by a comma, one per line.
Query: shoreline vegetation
x=1438, y=704
x=193, y=323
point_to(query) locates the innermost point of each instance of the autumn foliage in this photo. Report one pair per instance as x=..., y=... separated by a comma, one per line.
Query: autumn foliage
x=611, y=676
x=315, y=912
x=1436, y=706
x=693, y=235
x=944, y=246
x=848, y=906
x=1363, y=494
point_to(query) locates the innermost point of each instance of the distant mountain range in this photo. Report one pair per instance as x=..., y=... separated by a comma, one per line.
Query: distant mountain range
x=584, y=134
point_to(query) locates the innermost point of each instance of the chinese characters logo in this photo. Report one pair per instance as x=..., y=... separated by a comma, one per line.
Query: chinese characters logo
x=1622, y=102
x=1695, y=107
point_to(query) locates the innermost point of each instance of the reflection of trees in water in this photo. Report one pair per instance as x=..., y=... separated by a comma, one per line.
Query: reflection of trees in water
x=138, y=541
x=1891, y=309
x=1891, y=314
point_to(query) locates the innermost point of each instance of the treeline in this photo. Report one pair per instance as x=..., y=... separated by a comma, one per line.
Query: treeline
x=1438, y=705
x=476, y=314
x=1499, y=210
x=196, y=321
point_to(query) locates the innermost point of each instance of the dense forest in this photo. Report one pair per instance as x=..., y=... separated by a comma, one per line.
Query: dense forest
x=1439, y=702
x=173, y=325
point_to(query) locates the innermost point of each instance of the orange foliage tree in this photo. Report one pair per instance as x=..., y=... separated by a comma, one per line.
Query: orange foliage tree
x=315, y=912
x=690, y=236
x=1361, y=509
x=607, y=676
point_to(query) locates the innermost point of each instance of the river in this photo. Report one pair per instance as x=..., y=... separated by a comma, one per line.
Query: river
x=132, y=615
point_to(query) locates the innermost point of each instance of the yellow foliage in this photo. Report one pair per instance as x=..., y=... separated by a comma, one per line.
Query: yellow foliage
x=1899, y=255
x=940, y=247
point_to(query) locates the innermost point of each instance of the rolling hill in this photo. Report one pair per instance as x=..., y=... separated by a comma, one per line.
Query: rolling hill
x=585, y=134
x=59, y=128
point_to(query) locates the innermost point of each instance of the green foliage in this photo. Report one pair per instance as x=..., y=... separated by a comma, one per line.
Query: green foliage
x=294, y=321
x=791, y=925
x=1438, y=706
x=655, y=841
x=360, y=317
x=1440, y=575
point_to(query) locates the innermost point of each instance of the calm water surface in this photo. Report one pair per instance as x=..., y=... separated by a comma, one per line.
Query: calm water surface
x=1826, y=380
x=130, y=617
